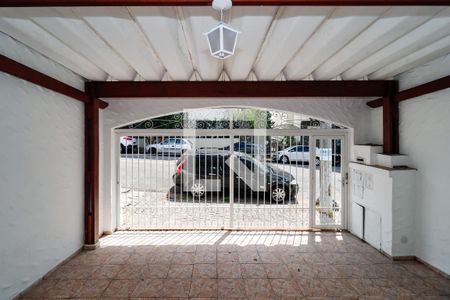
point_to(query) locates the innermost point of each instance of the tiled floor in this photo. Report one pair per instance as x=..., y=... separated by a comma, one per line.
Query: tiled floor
x=252, y=265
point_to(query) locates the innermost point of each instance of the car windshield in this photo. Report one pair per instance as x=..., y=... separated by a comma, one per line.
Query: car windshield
x=264, y=167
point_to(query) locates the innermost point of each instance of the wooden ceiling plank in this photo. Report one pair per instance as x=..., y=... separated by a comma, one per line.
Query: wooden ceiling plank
x=254, y=24
x=426, y=34
x=75, y=33
x=163, y=30
x=392, y=25
x=197, y=21
x=116, y=26
x=290, y=29
x=424, y=55
x=335, y=32
x=14, y=24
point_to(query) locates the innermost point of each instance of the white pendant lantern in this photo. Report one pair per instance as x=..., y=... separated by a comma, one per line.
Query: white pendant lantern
x=222, y=39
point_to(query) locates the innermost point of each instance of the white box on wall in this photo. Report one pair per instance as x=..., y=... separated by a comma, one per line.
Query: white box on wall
x=387, y=196
x=366, y=154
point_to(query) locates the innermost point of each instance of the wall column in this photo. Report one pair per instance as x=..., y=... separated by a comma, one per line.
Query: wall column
x=91, y=115
x=391, y=121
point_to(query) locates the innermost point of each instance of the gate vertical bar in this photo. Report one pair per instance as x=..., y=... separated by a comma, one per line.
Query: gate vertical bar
x=312, y=180
x=231, y=168
x=91, y=200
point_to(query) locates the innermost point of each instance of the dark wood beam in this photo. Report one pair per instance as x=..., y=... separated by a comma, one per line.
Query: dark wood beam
x=91, y=199
x=375, y=103
x=423, y=89
x=391, y=121
x=31, y=3
x=210, y=89
x=21, y=71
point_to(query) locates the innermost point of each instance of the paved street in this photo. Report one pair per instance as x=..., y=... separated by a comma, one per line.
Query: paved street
x=149, y=199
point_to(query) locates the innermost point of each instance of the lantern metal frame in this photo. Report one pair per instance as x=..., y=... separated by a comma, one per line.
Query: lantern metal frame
x=221, y=52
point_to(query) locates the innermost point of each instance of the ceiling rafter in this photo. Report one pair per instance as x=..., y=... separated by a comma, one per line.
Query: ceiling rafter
x=340, y=28
x=254, y=24
x=76, y=13
x=270, y=30
x=180, y=17
x=427, y=33
x=144, y=36
x=116, y=26
x=378, y=35
x=116, y=61
x=428, y=53
x=197, y=21
x=299, y=32
x=33, y=35
x=330, y=13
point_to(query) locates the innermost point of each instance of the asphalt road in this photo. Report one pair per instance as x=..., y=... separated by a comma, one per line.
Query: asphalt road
x=154, y=174
x=150, y=200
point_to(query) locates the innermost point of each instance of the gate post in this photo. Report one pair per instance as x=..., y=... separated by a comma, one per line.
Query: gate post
x=91, y=200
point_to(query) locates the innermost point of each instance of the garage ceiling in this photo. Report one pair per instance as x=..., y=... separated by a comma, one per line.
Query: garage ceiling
x=277, y=42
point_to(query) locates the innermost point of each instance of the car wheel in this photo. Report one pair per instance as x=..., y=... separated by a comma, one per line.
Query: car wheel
x=317, y=161
x=284, y=159
x=198, y=190
x=279, y=194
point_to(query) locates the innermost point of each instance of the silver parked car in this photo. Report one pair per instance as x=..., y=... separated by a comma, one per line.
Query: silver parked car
x=296, y=153
x=175, y=146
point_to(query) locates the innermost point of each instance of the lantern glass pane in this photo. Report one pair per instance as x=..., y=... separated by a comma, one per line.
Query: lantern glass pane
x=229, y=39
x=214, y=40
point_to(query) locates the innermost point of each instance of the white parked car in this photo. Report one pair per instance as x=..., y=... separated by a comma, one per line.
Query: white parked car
x=128, y=144
x=295, y=154
x=170, y=146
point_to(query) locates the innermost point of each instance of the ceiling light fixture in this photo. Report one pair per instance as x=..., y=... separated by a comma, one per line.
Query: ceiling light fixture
x=222, y=39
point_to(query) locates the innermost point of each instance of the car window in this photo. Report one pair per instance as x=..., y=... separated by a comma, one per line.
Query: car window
x=247, y=163
x=169, y=141
x=306, y=149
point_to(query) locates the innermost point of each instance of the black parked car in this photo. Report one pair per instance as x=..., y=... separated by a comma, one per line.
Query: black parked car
x=247, y=147
x=208, y=171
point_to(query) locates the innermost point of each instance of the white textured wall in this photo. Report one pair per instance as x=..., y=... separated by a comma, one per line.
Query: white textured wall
x=352, y=113
x=425, y=138
x=41, y=182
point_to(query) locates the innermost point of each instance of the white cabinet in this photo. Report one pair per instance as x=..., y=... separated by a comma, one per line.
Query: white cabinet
x=387, y=197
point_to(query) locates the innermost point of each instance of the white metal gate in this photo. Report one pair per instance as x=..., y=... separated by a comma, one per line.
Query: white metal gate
x=223, y=178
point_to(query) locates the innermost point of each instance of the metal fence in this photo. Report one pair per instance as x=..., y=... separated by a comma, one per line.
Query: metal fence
x=276, y=179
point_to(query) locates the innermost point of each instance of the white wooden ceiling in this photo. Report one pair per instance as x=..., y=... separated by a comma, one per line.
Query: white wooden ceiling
x=277, y=43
